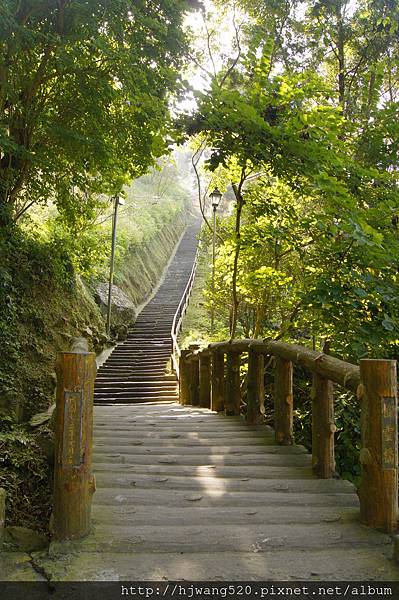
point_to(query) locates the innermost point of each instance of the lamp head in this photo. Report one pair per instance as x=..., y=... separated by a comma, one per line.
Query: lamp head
x=215, y=197
x=117, y=200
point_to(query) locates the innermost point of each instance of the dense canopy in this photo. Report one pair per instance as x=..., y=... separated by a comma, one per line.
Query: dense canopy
x=85, y=92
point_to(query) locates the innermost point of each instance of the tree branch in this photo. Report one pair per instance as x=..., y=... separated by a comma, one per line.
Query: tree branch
x=237, y=58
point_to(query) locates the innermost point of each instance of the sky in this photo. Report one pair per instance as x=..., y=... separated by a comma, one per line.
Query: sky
x=221, y=27
x=222, y=32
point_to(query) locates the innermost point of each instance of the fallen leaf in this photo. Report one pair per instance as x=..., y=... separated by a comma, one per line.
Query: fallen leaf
x=332, y=519
x=193, y=498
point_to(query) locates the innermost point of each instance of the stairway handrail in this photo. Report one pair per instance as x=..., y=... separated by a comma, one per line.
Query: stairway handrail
x=341, y=372
x=179, y=314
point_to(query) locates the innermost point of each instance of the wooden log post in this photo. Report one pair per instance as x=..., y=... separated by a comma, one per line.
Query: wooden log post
x=256, y=389
x=232, y=387
x=217, y=400
x=74, y=483
x=194, y=388
x=283, y=402
x=184, y=378
x=323, y=427
x=194, y=377
x=378, y=490
x=205, y=380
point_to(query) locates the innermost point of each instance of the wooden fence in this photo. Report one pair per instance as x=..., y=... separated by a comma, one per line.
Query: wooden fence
x=210, y=378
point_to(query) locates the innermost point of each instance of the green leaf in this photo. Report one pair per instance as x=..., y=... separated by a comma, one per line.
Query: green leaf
x=388, y=325
x=360, y=292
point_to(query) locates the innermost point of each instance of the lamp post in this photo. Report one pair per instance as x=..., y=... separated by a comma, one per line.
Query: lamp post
x=117, y=202
x=215, y=197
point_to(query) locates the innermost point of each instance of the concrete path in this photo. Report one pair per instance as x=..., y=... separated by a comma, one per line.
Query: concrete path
x=187, y=494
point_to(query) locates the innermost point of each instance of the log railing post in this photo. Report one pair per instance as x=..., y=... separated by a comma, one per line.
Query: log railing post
x=255, y=391
x=217, y=381
x=378, y=490
x=184, y=378
x=194, y=377
x=194, y=383
x=323, y=427
x=74, y=483
x=283, y=402
x=205, y=380
x=233, y=391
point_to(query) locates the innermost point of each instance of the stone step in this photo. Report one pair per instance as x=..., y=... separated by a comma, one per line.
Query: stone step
x=173, y=462
x=136, y=363
x=242, y=472
x=220, y=516
x=133, y=388
x=142, y=352
x=127, y=398
x=109, y=400
x=118, y=378
x=140, y=356
x=245, y=537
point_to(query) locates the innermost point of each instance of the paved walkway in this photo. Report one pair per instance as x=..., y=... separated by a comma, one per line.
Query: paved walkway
x=184, y=493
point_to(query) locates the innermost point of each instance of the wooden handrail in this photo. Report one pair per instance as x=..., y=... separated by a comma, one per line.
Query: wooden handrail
x=178, y=317
x=209, y=384
x=345, y=374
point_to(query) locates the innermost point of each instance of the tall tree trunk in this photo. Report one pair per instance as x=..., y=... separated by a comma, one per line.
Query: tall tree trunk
x=240, y=204
x=341, y=57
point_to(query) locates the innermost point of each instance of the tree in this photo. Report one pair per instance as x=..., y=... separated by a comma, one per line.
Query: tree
x=85, y=88
x=310, y=135
x=353, y=44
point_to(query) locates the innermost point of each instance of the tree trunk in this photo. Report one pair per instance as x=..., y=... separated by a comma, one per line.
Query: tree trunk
x=240, y=204
x=341, y=58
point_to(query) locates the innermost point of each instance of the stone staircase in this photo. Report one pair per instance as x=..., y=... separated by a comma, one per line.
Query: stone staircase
x=135, y=372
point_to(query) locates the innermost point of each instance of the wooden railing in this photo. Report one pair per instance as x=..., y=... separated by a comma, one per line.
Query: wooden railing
x=178, y=317
x=210, y=378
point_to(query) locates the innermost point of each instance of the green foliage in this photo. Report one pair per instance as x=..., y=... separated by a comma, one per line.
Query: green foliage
x=84, y=102
x=88, y=252
x=347, y=438
x=26, y=477
x=314, y=249
x=26, y=265
x=347, y=420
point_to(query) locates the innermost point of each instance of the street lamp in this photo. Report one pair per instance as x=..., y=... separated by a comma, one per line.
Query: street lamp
x=117, y=202
x=215, y=197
